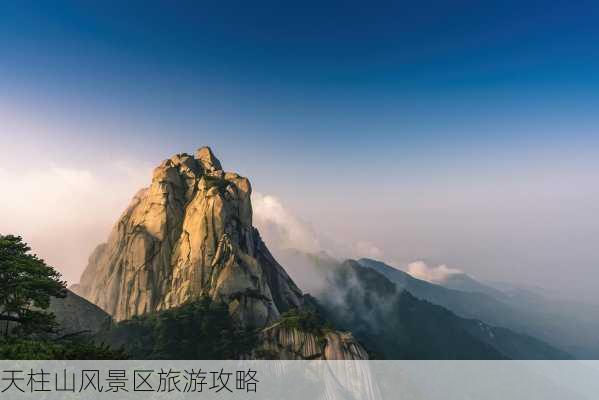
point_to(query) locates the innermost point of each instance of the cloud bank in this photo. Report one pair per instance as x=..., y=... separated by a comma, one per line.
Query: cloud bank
x=282, y=230
x=438, y=274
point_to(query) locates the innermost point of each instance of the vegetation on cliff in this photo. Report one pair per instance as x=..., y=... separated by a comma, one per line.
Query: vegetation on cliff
x=200, y=329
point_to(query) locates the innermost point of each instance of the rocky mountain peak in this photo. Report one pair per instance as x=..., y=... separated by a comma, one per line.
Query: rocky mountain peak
x=187, y=235
x=207, y=159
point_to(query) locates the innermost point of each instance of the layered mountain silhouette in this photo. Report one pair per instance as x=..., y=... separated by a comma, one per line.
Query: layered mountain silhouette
x=184, y=262
x=569, y=326
x=392, y=321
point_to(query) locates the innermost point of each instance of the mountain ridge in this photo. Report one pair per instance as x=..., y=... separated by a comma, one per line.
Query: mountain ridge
x=187, y=237
x=540, y=320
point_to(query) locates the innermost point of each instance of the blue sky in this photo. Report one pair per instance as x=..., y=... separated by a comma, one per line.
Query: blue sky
x=461, y=132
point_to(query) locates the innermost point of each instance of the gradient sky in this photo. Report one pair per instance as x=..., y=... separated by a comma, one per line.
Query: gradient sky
x=460, y=133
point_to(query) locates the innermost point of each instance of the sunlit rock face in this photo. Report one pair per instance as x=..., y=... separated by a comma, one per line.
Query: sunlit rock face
x=294, y=344
x=186, y=235
x=190, y=234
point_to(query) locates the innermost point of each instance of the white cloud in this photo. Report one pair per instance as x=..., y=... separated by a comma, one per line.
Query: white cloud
x=438, y=274
x=280, y=228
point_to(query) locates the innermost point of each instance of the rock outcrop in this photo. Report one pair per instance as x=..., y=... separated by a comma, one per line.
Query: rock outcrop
x=295, y=344
x=189, y=234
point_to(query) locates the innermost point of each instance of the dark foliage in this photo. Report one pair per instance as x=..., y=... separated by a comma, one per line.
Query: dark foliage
x=26, y=286
x=81, y=348
x=306, y=321
x=201, y=329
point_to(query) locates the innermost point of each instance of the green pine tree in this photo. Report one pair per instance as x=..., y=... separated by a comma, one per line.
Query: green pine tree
x=26, y=287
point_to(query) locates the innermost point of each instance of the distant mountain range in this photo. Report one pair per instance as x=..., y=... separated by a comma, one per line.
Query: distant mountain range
x=185, y=253
x=570, y=326
x=392, y=321
x=463, y=282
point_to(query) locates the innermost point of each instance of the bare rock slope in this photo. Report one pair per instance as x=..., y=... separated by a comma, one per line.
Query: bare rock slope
x=294, y=344
x=76, y=315
x=187, y=235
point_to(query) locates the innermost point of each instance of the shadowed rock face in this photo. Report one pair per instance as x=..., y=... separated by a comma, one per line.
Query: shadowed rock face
x=76, y=315
x=188, y=234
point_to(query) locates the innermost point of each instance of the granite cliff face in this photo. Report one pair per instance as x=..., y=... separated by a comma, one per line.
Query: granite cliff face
x=295, y=344
x=189, y=234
